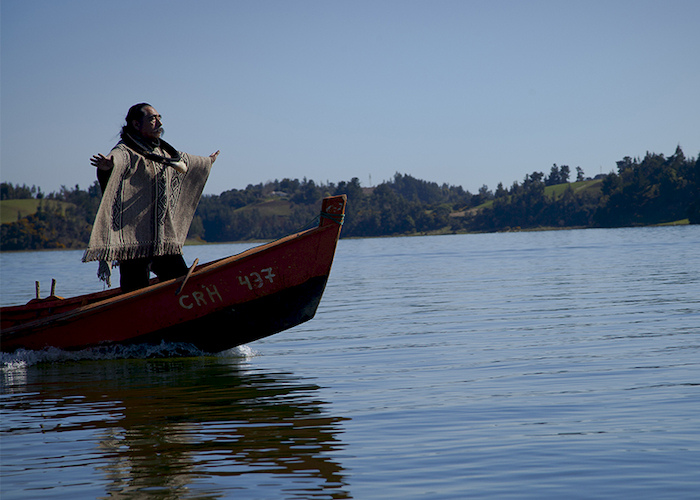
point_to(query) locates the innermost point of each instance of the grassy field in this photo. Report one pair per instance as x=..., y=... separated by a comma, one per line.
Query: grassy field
x=558, y=189
x=12, y=210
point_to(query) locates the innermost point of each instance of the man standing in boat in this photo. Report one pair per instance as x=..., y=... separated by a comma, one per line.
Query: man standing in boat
x=149, y=195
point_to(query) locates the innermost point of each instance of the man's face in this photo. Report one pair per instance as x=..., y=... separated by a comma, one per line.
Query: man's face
x=150, y=125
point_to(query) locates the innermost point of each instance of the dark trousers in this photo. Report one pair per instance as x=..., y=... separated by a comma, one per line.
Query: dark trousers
x=135, y=274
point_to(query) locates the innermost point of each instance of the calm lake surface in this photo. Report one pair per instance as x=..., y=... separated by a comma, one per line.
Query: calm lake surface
x=543, y=365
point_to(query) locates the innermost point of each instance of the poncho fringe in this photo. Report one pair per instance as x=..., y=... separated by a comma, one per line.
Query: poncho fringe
x=132, y=252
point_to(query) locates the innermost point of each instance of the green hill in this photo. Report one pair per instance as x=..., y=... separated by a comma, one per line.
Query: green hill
x=653, y=190
x=557, y=191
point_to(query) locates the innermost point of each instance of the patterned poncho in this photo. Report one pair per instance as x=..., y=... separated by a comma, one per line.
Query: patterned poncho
x=146, y=208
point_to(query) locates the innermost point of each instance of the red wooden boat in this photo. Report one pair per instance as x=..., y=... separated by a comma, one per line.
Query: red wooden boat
x=217, y=306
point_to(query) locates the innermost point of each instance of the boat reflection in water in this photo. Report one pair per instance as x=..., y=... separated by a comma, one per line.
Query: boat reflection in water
x=201, y=427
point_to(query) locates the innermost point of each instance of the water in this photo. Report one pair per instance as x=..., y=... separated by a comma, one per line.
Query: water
x=542, y=365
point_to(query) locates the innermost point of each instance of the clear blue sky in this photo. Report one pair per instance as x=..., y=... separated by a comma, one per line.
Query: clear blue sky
x=460, y=92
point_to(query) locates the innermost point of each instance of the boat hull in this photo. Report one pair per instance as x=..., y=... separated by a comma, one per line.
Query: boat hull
x=221, y=305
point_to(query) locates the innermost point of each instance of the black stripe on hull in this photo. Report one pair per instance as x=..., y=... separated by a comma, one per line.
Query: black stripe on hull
x=246, y=322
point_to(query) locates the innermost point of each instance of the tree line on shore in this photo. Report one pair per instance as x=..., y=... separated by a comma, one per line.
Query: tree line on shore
x=652, y=190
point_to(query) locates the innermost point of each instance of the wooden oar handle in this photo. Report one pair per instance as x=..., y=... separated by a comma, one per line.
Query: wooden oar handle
x=187, y=276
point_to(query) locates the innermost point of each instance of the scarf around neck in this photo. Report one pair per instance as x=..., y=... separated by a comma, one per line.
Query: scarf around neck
x=173, y=160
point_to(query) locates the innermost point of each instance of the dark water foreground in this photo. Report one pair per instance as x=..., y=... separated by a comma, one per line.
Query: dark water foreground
x=529, y=365
x=171, y=428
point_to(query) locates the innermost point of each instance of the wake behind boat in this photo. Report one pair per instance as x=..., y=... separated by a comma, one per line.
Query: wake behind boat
x=216, y=306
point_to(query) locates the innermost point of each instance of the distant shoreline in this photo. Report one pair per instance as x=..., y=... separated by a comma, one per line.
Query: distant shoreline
x=194, y=243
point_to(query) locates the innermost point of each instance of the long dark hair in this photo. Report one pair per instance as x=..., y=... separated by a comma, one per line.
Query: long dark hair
x=135, y=113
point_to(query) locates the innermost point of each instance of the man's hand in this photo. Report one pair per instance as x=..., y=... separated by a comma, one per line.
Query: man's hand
x=101, y=162
x=213, y=157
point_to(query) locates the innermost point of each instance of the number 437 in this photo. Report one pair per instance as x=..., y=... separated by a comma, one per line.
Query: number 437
x=258, y=280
